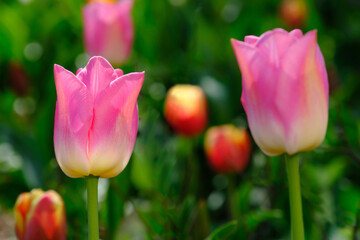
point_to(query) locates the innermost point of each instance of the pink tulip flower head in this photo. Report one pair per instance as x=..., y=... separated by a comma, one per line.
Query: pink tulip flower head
x=96, y=118
x=108, y=29
x=285, y=90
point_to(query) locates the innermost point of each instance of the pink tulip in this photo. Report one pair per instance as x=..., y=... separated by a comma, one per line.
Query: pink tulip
x=96, y=119
x=285, y=90
x=40, y=216
x=108, y=30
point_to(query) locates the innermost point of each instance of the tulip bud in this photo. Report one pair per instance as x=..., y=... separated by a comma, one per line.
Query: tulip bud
x=285, y=90
x=227, y=148
x=19, y=78
x=40, y=216
x=108, y=30
x=103, y=1
x=96, y=119
x=186, y=109
x=293, y=12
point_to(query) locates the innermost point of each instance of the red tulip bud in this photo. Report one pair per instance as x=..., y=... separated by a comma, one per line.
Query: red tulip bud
x=40, y=216
x=227, y=148
x=19, y=79
x=186, y=109
x=293, y=12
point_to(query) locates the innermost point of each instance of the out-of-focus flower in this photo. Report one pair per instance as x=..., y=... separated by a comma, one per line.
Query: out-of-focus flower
x=285, y=90
x=293, y=12
x=96, y=118
x=227, y=148
x=186, y=109
x=40, y=216
x=108, y=29
x=103, y=1
x=19, y=79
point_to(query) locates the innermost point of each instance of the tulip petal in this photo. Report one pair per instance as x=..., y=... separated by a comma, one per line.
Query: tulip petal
x=115, y=126
x=109, y=30
x=44, y=221
x=97, y=75
x=257, y=97
x=302, y=97
x=244, y=53
x=94, y=29
x=22, y=207
x=251, y=39
x=72, y=122
x=274, y=44
x=124, y=7
x=78, y=71
x=118, y=73
x=297, y=33
x=119, y=30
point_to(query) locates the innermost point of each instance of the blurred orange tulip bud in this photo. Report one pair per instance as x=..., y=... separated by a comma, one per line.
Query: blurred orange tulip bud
x=227, y=148
x=293, y=12
x=40, y=216
x=186, y=109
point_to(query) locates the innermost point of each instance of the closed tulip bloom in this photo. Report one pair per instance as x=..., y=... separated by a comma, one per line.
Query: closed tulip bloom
x=40, y=216
x=108, y=29
x=186, y=109
x=227, y=148
x=285, y=90
x=294, y=12
x=96, y=119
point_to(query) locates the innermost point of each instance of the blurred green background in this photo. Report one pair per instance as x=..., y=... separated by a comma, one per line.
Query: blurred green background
x=168, y=190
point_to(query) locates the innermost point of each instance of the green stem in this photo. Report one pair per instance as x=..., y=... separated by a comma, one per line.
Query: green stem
x=92, y=205
x=297, y=226
x=232, y=196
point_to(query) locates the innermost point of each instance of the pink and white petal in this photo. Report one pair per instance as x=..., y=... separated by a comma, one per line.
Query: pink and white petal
x=267, y=131
x=119, y=33
x=297, y=33
x=252, y=40
x=244, y=53
x=115, y=126
x=303, y=102
x=94, y=27
x=124, y=146
x=78, y=71
x=118, y=73
x=321, y=70
x=97, y=75
x=125, y=19
x=257, y=97
x=274, y=45
x=72, y=122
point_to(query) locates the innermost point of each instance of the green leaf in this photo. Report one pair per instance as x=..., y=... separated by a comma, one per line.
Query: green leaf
x=253, y=219
x=226, y=231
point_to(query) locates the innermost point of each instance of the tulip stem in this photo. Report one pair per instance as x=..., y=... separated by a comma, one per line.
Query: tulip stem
x=92, y=205
x=297, y=226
